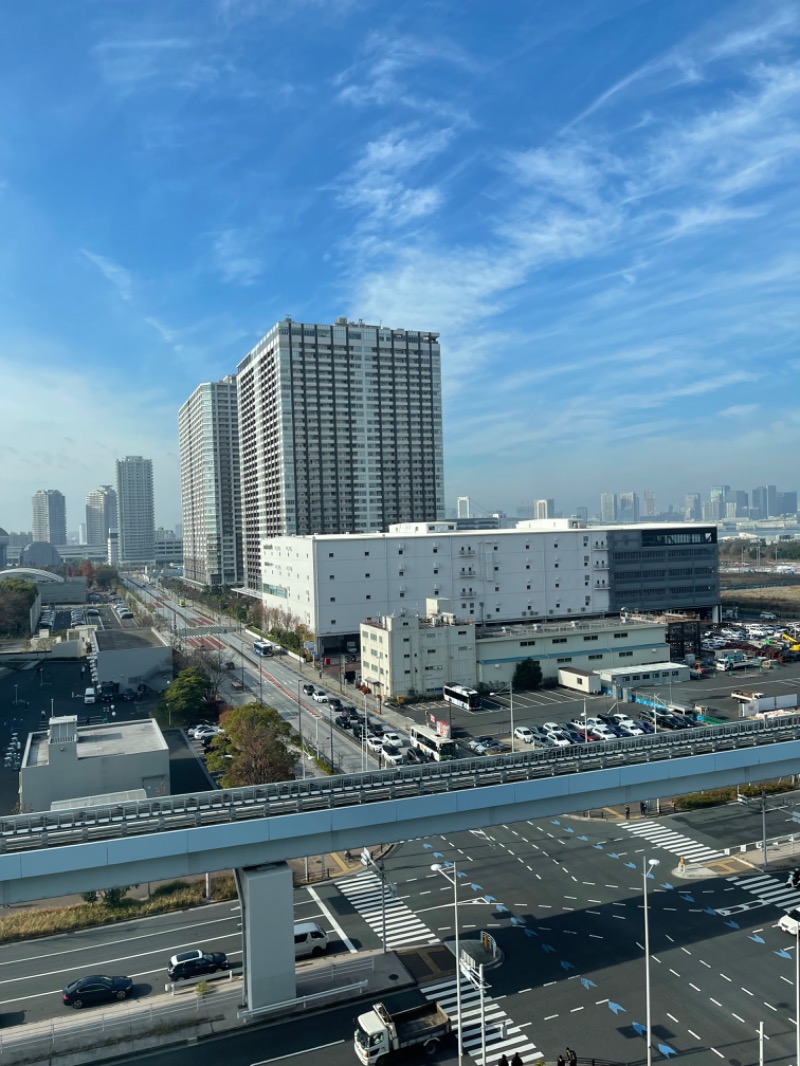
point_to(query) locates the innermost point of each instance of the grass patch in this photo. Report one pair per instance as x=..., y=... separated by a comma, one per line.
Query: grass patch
x=172, y=896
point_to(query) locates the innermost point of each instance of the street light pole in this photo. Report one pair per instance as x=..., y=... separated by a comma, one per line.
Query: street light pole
x=300, y=728
x=645, y=874
x=511, y=710
x=439, y=869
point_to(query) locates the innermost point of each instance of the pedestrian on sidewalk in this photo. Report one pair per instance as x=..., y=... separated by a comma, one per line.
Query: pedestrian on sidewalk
x=502, y=1061
x=516, y=1059
x=560, y=1061
x=572, y=1057
x=627, y=811
x=643, y=807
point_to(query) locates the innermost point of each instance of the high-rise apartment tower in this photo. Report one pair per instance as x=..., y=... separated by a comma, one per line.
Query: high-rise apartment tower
x=101, y=514
x=340, y=432
x=208, y=431
x=135, y=521
x=49, y=516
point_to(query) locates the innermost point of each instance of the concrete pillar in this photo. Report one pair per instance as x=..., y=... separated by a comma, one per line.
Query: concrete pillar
x=267, y=904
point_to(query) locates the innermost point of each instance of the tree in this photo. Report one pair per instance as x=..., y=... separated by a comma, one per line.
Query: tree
x=209, y=663
x=185, y=697
x=254, y=749
x=527, y=676
x=105, y=576
x=16, y=599
x=86, y=569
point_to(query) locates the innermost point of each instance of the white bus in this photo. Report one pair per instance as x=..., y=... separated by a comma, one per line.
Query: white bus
x=263, y=647
x=435, y=747
x=466, y=698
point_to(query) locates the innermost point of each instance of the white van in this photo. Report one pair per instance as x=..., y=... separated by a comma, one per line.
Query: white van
x=89, y=696
x=309, y=939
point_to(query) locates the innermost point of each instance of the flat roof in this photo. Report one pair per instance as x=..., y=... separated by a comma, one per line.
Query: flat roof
x=543, y=629
x=122, y=639
x=623, y=671
x=102, y=741
x=108, y=799
x=528, y=525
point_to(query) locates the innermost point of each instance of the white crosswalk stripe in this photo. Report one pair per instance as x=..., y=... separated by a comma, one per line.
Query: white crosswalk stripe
x=404, y=929
x=772, y=890
x=677, y=843
x=402, y=925
x=502, y=1036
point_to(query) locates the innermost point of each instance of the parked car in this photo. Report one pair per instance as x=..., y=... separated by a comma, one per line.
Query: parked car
x=95, y=989
x=192, y=729
x=522, y=732
x=491, y=747
x=392, y=740
x=478, y=742
x=308, y=689
x=790, y=922
x=319, y=697
x=375, y=744
x=195, y=963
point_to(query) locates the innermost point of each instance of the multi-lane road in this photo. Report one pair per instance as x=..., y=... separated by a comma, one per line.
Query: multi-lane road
x=564, y=900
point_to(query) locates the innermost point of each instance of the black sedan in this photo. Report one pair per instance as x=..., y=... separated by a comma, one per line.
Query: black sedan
x=96, y=989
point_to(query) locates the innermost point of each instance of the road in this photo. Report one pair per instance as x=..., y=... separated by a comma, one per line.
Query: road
x=563, y=899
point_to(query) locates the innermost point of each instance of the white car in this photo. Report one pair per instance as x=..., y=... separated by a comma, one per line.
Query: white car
x=392, y=757
x=392, y=740
x=206, y=732
x=601, y=731
x=790, y=923
x=319, y=697
x=523, y=733
x=375, y=744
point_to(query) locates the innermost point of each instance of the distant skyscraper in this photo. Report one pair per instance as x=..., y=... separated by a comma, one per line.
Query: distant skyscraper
x=758, y=504
x=628, y=507
x=49, y=517
x=742, y=500
x=582, y=514
x=545, y=508
x=101, y=515
x=208, y=432
x=772, y=501
x=608, y=506
x=787, y=503
x=649, y=503
x=692, y=511
x=341, y=432
x=135, y=520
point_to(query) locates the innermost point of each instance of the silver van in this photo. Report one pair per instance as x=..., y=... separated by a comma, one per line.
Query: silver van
x=309, y=939
x=89, y=696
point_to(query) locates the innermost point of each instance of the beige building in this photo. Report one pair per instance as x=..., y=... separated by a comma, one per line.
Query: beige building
x=404, y=654
x=67, y=762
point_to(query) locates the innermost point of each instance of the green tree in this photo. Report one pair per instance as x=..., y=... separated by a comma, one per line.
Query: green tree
x=116, y=897
x=185, y=698
x=105, y=576
x=254, y=749
x=16, y=599
x=527, y=676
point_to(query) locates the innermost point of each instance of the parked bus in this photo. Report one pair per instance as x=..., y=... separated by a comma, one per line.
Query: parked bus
x=467, y=698
x=263, y=647
x=435, y=747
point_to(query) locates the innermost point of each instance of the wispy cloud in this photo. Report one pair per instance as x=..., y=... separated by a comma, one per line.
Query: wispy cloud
x=134, y=62
x=121, y=278
x=234, y=259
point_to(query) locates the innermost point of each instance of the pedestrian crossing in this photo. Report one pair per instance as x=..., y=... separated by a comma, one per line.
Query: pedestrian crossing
x=404, y=929
x=772, y=890
x=658, y=834
x=502, y=1035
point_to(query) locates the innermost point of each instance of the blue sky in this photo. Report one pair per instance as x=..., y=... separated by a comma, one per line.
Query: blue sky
x=595, y=202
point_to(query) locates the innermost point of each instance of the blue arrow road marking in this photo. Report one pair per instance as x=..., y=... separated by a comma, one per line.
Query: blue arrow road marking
x=782, y=953
x=587, y=982
x=583, y=838
x=597, y=847
x=616, y=1007
x=476, y=888
x=566, y=965
x=547, y=948
x=668, y=886
x=517, y=921
x=640, y=1029
x=757, y=939
x=530, y=932
x=613, y=855
x=732, y=924
x=709, y=910
x=666, y=1050
x=631, y=865
x=555, y=821
x=687, y=897
x=569, y=829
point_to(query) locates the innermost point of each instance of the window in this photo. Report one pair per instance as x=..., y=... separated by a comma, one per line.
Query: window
x=368, y=596
x=625, y=654
x=333, y=599
x=330, y=555
x=559, y=640
x=590, y=638
x=595, y=656
x=619, y=636
x=566, y=659
x=366, y=575
x=331, y=577
x=366, y=553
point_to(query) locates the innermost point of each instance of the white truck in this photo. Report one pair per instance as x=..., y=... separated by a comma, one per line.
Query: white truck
x=380, y=1033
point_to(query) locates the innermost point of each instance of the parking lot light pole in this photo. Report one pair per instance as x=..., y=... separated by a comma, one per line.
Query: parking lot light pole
x=646, y=873
x=445, y=872
x=300, y=728
x=511, y=710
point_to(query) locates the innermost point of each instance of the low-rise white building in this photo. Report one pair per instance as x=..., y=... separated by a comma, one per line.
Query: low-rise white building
x=650, y=676
x=67, y=762
x=402, y=655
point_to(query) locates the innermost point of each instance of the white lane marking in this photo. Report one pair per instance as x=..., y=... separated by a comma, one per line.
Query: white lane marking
x=575, y=1010
x=302, y=1051
x=715, y=1001
x=549, y=1017
x=686, y=950
x=706, y=964
x=738, y=1019
x=675, y=972
x=770, y=1006
x=694, y=987
x=672, y=1018
x=718, y=1053
x=669, y=938
x=747, y=990
x=339, y=931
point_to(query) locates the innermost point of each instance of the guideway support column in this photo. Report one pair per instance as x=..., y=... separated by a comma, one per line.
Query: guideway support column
x=268, y=967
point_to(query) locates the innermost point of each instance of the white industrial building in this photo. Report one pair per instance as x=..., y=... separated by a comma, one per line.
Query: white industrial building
x=538, y=571
x=68, y=762
x=405, y=654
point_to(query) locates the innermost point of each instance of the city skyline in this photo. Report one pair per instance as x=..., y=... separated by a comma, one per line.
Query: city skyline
x=593, y=205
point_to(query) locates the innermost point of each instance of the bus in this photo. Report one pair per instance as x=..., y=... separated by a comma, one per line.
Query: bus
x=435, y=747
x=263, y=647
x=466, y=698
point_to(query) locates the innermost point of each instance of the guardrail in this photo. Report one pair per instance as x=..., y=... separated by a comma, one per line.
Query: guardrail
x=26, y=832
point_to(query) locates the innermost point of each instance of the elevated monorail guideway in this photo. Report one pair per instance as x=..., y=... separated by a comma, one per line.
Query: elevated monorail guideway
x=59, y=852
